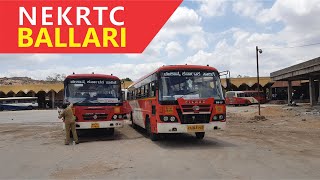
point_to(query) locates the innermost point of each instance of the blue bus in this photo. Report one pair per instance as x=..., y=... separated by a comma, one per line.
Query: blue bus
x=18, y=103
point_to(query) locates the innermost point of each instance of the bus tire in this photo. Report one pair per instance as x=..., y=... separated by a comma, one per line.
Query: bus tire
x=152, y=136
x=1, y=109
x=200, y=135
x=30, y=107
x=110, y=131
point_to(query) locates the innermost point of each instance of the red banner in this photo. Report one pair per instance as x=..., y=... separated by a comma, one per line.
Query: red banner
x=87, y=26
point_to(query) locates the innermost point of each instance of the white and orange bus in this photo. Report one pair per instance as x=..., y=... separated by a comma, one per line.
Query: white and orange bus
x=178, y=99
x=244, y=97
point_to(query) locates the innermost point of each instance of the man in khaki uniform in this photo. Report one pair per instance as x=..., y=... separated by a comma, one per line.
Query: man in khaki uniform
x=70, y=123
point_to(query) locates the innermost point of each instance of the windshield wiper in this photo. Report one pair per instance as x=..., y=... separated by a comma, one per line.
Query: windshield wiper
x=83, y=101
x=190, y=92
x=79, y=102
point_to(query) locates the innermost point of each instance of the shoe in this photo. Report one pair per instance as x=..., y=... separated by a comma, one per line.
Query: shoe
x=66, y=143
x=77, y=142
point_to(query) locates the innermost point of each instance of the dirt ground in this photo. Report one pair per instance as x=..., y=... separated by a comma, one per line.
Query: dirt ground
x=283, y=145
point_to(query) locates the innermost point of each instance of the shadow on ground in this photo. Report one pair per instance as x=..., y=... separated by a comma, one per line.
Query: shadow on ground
x=189, y=141
x=125, y=133
x=90, y=135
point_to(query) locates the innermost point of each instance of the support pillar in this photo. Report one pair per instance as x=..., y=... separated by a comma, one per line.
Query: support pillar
x=289, y=91
x=312, y=94
x=53, y=95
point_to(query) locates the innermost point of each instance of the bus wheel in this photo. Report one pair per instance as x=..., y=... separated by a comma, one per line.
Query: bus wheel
x=152, y=136
x=30, y=107
x=110, y=131
x=200, y=135
x=1, y=109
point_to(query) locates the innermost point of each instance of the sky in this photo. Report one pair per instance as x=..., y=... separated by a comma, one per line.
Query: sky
x=221, y=33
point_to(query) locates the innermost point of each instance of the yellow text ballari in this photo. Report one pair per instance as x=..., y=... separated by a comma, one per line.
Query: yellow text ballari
x=108, y=38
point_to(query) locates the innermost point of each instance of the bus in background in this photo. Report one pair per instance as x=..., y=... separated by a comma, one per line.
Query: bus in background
x=178, y=99
x=18, y=103
x=97, y=100
x=244, y=97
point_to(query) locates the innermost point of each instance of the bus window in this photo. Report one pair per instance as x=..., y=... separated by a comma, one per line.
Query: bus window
x=142, y=91
x=146, y=90
x=230, y=94
x=153, y=89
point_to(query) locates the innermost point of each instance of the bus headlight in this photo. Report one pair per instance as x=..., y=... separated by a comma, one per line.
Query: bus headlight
x=168, y=118
x=114, y=116
x=119, y=116
x=215, y=117
x=221, y=117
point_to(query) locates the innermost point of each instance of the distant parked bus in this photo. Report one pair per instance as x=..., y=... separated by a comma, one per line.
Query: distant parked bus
x=18, y=103
x=244, y=97
x=178, y=99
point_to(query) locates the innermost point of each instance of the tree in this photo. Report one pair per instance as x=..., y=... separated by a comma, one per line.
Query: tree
x=56, y=77
x=126, y=79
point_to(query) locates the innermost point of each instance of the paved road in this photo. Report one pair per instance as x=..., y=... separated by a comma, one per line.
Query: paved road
x=29, y=116
x=35, y=150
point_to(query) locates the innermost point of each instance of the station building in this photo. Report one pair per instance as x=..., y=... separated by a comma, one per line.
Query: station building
x=49, y=95
x=308, y=73
x=299, y=83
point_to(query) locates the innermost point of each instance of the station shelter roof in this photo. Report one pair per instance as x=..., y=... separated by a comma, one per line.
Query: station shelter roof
x=249, y=81
x=32, y=87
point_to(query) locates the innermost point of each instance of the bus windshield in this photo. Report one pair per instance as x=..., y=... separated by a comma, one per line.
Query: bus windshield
x=189, y=85
x=92, y=91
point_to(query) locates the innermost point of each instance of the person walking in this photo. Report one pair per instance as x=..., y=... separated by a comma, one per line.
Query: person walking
x=70, y=123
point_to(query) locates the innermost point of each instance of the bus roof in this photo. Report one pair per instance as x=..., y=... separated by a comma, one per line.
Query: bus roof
x=185, y=67
x=93, y=76
x=17, y=98
x=175, y=68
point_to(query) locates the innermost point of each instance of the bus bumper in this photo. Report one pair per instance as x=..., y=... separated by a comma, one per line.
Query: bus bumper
x=98, y=124
x=187, y=128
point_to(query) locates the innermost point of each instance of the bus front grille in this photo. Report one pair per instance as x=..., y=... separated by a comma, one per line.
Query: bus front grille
x=189, y=108
x=193, y=118
x=95, y=116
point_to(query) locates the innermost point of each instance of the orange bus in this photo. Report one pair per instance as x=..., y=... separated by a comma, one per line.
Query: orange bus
x=178, y=99
x=244, y=97
x=97, y=100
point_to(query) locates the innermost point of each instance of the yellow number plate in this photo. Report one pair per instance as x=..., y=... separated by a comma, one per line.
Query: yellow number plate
x=219, y=109
x=195, y=128
x=169, y=110
x=95, y=125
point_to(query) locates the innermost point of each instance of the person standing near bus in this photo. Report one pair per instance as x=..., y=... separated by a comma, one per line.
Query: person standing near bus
x=70, y=123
